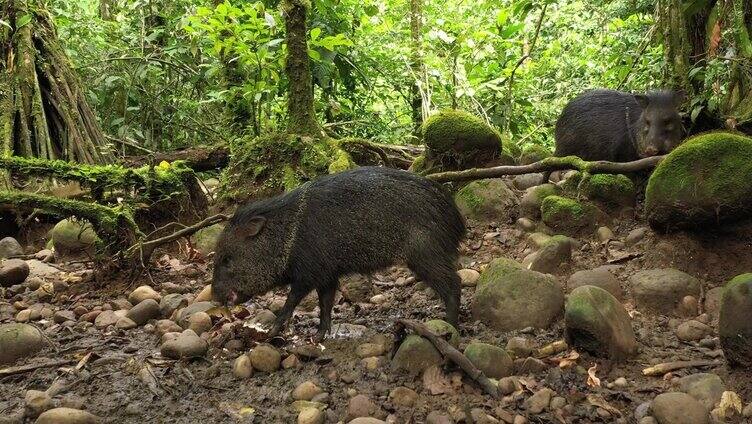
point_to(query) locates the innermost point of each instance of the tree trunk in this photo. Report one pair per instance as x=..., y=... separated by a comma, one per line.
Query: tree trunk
x=300, y=108
x=416, y=64
x=43, y=108
x=711, y=32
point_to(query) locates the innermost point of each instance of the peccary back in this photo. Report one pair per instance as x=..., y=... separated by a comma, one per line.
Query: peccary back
x=357, y=221
x=621, y=127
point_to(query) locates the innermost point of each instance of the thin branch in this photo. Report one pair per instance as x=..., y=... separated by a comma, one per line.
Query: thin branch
x=550, y=164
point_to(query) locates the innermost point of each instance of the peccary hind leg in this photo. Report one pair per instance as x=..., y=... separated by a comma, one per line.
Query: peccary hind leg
x=443, y=279
x=297, y=293
x=326, y=303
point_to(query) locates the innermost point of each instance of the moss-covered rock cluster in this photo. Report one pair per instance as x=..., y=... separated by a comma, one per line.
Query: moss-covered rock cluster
x=568, y=216
x=272, y=163
x=456, y=139
x=610, y=190
x=489, y=199
x=706, y=180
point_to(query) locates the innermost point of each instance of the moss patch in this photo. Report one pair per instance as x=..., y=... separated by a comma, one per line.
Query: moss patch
x=706, y=180
x=498, y=269
x=567, y=215
x=734, y=327
x=612, y=190
x=489, y=199
x=455, y=139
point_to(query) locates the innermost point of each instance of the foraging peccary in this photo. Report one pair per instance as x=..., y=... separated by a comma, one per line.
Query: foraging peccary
x=357, y=221
x=621, y=127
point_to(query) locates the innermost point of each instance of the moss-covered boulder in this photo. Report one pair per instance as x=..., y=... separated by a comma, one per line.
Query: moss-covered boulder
x=494, y=361
x=704, y=181
x=611, y=190
x=456, y=139
x=497, y=270
x=509, y=299
x=71, y=236
x=531, y=201
x=415, y=354
x=272, y=163
x=598, y=323
x=734, y=325
x=19, y=341
x=533, y=153
x=568, y=216
x=205, y=239
x=489, y=200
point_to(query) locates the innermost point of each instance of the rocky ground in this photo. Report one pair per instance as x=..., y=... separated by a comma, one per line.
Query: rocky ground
x=565, y=326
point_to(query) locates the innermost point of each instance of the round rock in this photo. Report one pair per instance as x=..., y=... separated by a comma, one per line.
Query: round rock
x=67, y=416
x=265, y=358
x=734, y=324
x=492, y=360
x=678, y=408
x=144, y=311
x=13, y=271
x=186, y=345
x=10, y=247
x=19, y=341
x=142, y=293
x=599, y=277
x=661, y=290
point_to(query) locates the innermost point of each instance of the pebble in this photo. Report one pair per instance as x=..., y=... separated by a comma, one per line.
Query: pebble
x=121, y=304
x=360, y=406
x=378, y=299
x=200, y=322
x=187, y=345
x=621, y=382
x=37, y=402
x=67, y=416
x=164, y=326
x=61, y=316
x=558, y=402
x=12, y=272
x=403, y=396
x=172, y=302
x=205, y=295
x=604, y=234
x=367, y=350
x=311, y=416
x=692, y=331
x=678, y=408
x=125, y=323
x=520, y=347
x=306, y=391
x=539, y=401
x=142, y=293
x=264, y=318
x=106, y=319
x=265, y=358
x=144, y=311
x=468, y=277
x=291, y=361
x=34, y=283
x=436, y=417
x=747, y=411
x=526, y=225
x=242, y=367
x=366, y=420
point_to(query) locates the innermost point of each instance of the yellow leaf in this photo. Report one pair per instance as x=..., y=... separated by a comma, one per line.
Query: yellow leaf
x=164, y=165
x=592, y=380
x=730, y=403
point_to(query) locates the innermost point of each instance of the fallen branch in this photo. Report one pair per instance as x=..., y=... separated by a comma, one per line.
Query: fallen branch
x=453, y=354
x=31, y=367
x=665, y=367
x=550, y=164
x=146, y=248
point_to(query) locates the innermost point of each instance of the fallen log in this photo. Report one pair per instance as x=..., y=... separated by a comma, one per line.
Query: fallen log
x=549, y=164
x=453, y=354
x=199, y=159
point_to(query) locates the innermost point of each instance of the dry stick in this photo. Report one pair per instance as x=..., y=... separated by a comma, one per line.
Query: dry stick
x=665, y=367
x=31, y=367
x=455, y=355
x=147, y=247
x=549, y=164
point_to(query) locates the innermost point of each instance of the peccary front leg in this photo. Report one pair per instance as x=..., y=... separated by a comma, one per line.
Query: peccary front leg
x=297, y=293
x=443, y=279
x=326, y=303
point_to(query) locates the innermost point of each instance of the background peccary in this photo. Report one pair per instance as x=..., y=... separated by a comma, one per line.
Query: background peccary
x=356, y=221
x=620, y=127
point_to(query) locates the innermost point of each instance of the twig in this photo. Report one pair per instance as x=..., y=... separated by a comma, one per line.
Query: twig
x=147, y=248
x=31, y=367
x=455, y=355
x=665, y=367
x=549, y=164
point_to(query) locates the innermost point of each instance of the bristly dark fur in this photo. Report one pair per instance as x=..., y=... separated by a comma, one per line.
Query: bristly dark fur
x=357, y=221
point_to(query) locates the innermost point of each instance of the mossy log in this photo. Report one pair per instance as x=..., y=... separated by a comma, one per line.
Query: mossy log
x=199, y=158
x=43, y=108
x=115, y=225
x=550, y=164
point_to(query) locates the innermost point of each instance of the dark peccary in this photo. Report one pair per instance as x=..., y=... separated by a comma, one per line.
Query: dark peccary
x=357, y=221
x=619, y=127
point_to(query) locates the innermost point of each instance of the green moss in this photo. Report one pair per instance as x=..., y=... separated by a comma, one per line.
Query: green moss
x=459, y=131
x=115, y=224
x=487, y=199
x=704, y=180
x=497, y=270
x=533, y=153
x=342, y=162
x=442, y=327
x=566, y=214
x=468, y=196
x=610, y=189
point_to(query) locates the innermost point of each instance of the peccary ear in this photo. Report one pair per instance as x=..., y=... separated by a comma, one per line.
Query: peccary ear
x=679, y=97
x=642, y=100
x=252, y=227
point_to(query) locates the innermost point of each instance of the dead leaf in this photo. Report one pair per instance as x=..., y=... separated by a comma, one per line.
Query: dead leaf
x=715, y=39
x=220, y=312
x=599, y=402
x=435, y=381
x=237, y=411
x=592, y=380
x=730, y=403
x=568, y=361
x=147, y=376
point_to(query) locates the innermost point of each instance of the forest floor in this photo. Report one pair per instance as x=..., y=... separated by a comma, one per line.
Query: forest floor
x=120, y=374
